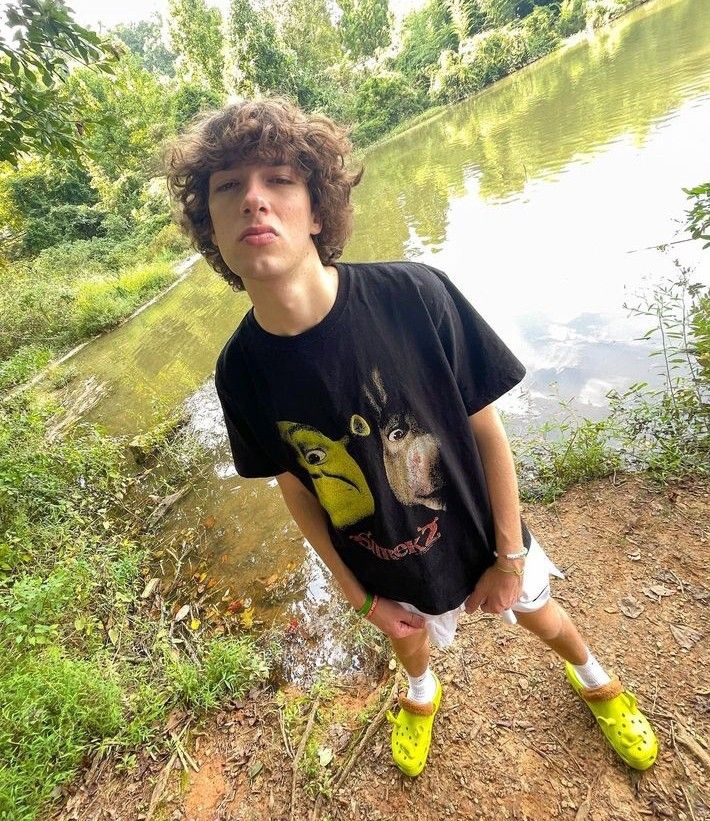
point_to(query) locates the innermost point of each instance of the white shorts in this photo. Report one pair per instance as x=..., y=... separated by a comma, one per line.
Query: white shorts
x=535, y=593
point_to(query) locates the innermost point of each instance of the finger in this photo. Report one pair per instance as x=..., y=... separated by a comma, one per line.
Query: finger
x=473, y=602
x=414, y=621
x=401, y=630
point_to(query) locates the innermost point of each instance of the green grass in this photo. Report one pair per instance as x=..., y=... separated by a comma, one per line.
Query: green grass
x=86, y=665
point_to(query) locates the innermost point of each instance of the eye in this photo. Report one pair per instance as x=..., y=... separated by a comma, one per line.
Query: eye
x=315, y=456
x=397, y=433
x=225, y=186
x=282, y=180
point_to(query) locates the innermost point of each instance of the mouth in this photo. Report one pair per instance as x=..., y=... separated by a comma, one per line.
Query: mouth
x=258, y=235
x=324, y=475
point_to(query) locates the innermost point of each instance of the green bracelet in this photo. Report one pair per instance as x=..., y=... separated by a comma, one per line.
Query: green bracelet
x=366, y=607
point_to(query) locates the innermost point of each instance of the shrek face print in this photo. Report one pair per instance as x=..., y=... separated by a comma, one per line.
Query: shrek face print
x=339, y=483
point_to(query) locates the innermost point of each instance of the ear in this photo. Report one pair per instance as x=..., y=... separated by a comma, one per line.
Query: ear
x=316, y=223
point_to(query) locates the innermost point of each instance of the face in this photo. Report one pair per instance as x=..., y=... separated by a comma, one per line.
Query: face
x=262, y=220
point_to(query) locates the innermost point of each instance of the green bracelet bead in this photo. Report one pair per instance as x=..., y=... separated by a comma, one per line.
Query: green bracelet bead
x=367, y=606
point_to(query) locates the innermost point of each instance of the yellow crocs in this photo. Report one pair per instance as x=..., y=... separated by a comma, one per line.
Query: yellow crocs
x=411, y=732
x=625, y=727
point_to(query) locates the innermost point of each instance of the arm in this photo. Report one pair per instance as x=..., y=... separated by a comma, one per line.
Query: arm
x=310, y=517
x=497, y=591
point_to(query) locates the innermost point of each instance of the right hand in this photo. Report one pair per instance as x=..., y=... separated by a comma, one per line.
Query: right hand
x=394, y=620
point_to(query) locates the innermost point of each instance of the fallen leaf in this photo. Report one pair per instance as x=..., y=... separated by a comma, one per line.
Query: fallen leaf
x=685, y=636
x=113, y=635
x=235, y=605
x=635, y=557
x=325, y=756
x=150, y=587
x=393, y=664
x=247, y=618
x=255, y=769
x=657, y=591
x=209, y=522
x=270, y=581
x=631, y=607
x=182, y=612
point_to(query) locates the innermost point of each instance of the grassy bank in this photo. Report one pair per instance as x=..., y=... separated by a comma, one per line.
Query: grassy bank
x=663, y=431
x=68, y=294
x=93, y=655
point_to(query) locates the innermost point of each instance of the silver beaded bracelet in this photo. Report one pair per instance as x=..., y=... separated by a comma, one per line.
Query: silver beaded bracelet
x=520, y=555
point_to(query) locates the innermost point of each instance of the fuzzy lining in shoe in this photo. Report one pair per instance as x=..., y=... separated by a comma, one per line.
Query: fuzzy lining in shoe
x=416, y=707
x=604, y=692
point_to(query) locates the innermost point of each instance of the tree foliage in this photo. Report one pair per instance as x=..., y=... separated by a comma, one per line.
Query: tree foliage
x=34, y=116
x=257, y=62
x=196, y=35
x=426, y=33
x=364, y=26
x=145, y=40
x=127, y=116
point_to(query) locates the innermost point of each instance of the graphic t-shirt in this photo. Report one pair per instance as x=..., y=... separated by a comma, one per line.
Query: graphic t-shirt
x=369, y=409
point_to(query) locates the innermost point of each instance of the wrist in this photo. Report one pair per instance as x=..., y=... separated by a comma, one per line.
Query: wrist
x=366, y=605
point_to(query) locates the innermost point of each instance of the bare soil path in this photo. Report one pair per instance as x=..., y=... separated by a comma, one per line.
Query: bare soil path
x=512, y=741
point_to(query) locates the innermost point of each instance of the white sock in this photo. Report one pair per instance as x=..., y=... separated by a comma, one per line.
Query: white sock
x=422, y=688
x=591, y=673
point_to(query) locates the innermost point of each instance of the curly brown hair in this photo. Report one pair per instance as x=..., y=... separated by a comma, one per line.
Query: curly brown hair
x=271, y=130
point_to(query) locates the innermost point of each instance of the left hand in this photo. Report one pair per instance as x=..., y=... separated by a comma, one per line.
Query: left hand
x=495, y=592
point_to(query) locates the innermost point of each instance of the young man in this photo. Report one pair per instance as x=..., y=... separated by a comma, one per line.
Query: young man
x=367, y=391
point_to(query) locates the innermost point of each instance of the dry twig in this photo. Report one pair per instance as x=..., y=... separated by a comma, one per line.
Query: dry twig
x=686, y=740
x=299, y=753
x=159, y=787
x=371, y=730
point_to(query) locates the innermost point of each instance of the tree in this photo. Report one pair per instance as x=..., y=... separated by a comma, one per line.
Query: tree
x=189, y=99
x=364, y=26
x=145, y=40
x=196, y=34
x=34, y=116
x=500, y=12
x=426, y=33
x=256, y=59
x=126, y=118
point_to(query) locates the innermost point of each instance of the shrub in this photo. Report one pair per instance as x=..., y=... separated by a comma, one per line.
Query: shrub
x=231, y=666
x=23, y=364
x=101, y=303
x=382, y=101
x=571, y=18
x=426, y=33
x=481, y=60
x=539, y=33
x=169, y=241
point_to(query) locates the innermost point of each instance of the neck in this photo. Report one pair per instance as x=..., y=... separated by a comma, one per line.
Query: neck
x=290, y=305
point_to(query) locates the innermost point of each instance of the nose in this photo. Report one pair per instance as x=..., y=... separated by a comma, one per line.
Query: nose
x=254, y=199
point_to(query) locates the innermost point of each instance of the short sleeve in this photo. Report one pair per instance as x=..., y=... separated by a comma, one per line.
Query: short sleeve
x=250, y=458
x=482, y=364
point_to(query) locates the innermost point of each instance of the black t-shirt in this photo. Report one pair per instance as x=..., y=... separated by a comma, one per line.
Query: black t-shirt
x=369, y=409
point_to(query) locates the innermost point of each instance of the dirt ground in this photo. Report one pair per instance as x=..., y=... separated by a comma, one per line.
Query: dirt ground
x=512, y=740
